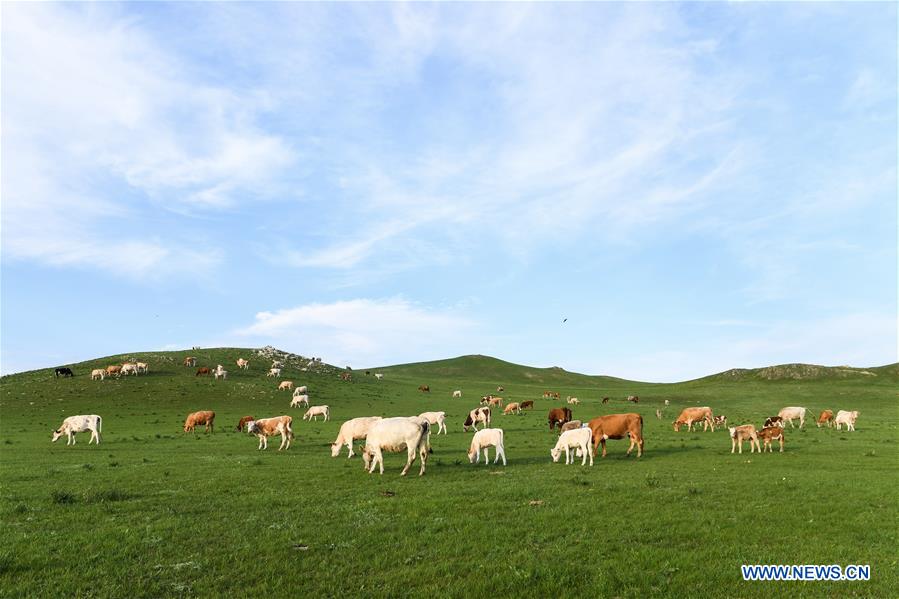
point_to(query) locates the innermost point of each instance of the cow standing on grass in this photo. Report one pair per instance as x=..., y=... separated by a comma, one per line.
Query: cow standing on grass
x=269, y=427
x=78, y=424
x=351, y=430
x=205, y=418
x=618, y=426
x=396, y=434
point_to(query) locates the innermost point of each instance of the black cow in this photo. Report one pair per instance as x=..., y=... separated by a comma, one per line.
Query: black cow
x=64, y=372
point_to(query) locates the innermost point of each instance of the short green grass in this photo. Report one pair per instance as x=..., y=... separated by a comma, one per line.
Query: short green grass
x=155, y=512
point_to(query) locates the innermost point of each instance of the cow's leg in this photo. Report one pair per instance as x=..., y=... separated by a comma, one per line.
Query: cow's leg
x=733, y=444
x=349, y=446
x=502, y=452
x=584, y=451
x=603, y=442
x=410, y=457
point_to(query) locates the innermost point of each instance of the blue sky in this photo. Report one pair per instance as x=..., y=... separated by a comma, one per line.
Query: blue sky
x=693, y=186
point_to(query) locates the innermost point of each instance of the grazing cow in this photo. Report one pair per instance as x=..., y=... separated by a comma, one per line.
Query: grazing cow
x=573, y=424
x=512, y=408
x=243, y=421
x=379, y=376
x=475, y=416
x=573, y=400
x=129, y=368
x=740, y=433
x=314, y=411
x=275, y=372
x=98, y=373
x=457, y=393
x=243, y=364
x=438, y=418
x=142, y=367
x=190, y=361
x=500, y=389
x=788, y=414
x=78, y=424
x=346, y=376
x=556, y=395
x=300, y=390
x=720, y=420
x=396, y=434
x=667, y=403
x=64, y=371
x=221, y=374
x=772, y=433
x=558, y=416
x=826, y=417
x=298, y=399
x=633, y=399
x=578, y=438
x=113, y=371
x=269, y=427
x=484, y=439
x=495, y=402
x=605, y=400
x=285, y=386
x=847, y=418
x=203, y=371
x=547, y=394
x=774, y=421
x=689, y=416
x=357, y=428
x=659, y=414
x=206, y=417
x=529, y=404
x=424, y=388
x=618, y=426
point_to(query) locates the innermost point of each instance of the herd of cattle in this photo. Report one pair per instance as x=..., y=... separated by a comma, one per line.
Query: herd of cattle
x=413, y=433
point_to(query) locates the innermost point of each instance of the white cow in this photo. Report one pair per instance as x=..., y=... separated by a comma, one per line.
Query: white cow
x=579, y=438
x=357, y=428
x=98, y=373
x=396, y=434
x=483, y=439
x=438, y=418
x=142, y=367
x=457, y=393
x=298, y=399
x=314, y=411
x=277, y=364
x=379, y=376
x=573, y=400
x=300, y=390
x=128, y=368
x=791, y=413
x=243, y=364
x=78, y=424
x=285, y=386
x=221, y=374
x=847, y=418
x=274, y=372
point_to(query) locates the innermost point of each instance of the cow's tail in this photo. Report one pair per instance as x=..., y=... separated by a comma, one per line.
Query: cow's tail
x=99, y=424
x=425, y=435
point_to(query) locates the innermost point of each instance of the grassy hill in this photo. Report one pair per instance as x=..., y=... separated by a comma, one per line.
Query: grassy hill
x=155, y=512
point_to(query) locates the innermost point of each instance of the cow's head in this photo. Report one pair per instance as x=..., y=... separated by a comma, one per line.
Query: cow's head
x=555, y=453
x=335, y=449
x=252, y=427
x=472, y=456
x=56, y=435
x=366, y=457
x=733, y=431
x=677, y=424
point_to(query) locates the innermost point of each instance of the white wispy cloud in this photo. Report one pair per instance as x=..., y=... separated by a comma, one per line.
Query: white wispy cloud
x=101, y=127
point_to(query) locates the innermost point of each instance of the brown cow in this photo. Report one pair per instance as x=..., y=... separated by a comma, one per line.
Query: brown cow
x=618, y=426
x=203, y=371
x=243, y=421
x=689, y=416
x=495, y=402
x=424, y=388
x=113, y=370
x=527, y=404
x=345, y=376
x=205, y=417
x=559, y=416
x=190, y=361
x=570, y=425
x=605, y=400
x=826, y=417
x=269, y=427
x=774, y=421
x=772, y=433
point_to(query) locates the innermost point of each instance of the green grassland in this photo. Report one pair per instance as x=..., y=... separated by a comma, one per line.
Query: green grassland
x=155, y=512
